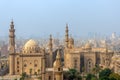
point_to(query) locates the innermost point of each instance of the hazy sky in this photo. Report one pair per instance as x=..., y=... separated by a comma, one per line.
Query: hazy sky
x=44, y=17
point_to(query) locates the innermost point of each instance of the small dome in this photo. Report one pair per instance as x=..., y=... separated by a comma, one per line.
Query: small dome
x=88, y=46
x=54, y=64
x=30, y=46
x=57, y=62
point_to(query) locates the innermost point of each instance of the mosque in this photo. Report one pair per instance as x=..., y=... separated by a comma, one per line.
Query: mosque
x=34, y=59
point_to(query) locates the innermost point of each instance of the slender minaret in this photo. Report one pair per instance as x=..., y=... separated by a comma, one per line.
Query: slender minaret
x=58, y=69
x=66, y=36
x=12, y=49
x=50, y=43
x=12, y=38
x=50, y=51
x=43, y=64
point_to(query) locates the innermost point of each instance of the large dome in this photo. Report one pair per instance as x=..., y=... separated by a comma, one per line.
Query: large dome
x=31, y=46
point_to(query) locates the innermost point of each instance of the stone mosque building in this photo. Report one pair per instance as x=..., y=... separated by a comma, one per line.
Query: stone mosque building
x=37, y=60
x=33, y=59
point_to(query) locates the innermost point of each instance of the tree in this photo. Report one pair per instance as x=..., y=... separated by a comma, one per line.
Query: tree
x=23, y=75
x=114, y=76
x=72, y=74
x=94, y=78
x=89, y=76
x=105, y=73
x=104, y=78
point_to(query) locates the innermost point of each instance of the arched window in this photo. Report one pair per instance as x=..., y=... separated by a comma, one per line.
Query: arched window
x=25, y=63
x=89, y=65
x=35, y=63
x=75, y=63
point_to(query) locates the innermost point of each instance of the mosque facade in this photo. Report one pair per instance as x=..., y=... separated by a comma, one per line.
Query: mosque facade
x=36, y=60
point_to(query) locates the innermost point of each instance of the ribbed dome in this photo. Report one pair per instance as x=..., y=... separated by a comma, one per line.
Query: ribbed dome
x=30, y=47
x=30, y=43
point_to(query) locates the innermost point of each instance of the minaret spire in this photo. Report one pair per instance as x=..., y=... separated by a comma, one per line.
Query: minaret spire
x=12, y=49
x=50, y=51
x=50, y=43
x=12, y=38
x=66, y=36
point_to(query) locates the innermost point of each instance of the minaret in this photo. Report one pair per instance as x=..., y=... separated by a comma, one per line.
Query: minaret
x=50, y=51
x=12, y=49
x=66, y=36
x=43, y=64
x=12, y=38
x=50, y=43
x=58, y=69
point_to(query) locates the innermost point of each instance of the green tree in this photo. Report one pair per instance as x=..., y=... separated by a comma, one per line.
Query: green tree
x=104, y=78
x=72, y=74
x=23, y=76
x=94, y=78
x=105, y=73
x=114, y=76
x=96, y=69
x=89, y=76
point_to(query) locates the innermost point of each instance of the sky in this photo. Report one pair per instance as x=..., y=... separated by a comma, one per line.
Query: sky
x=40, y=18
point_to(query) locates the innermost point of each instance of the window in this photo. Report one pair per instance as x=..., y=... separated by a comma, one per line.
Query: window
x=58, y=69
x=17, y=70
x=25, y=65
x=35, y=65
x=89, y=65
x=75, y=63
x=49, y=77
x=17, y=62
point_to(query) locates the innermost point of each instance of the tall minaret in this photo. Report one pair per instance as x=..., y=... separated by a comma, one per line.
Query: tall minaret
x=12, y=49
x=12, y=38
x=58, y=69
x=66, y=36
x=50, y=43
x=50, y=51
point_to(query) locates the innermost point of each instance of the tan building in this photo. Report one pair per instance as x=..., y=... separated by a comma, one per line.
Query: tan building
x=34, y=59
x=37, y=60
x=85, y=57
x=115, y=64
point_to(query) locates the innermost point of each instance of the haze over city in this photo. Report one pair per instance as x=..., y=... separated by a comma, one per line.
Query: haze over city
x=43, y=17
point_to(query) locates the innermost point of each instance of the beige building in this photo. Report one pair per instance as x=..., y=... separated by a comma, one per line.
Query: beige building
x=85, y=57
x=34, y=59
x=115, y=64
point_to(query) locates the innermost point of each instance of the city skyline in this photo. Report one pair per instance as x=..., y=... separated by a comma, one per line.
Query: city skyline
x=41, y=18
